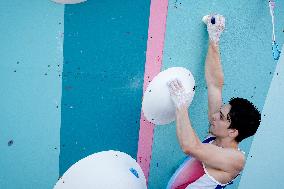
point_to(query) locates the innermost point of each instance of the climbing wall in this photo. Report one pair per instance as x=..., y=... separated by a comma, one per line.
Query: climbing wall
x=265, y=157
x=73, y=76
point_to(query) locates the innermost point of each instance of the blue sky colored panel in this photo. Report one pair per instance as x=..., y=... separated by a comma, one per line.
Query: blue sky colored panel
x=265, y=161
x=31, y=46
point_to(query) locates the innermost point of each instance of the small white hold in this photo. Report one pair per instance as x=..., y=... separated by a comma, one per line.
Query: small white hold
x=68, y=1
x=205, y=19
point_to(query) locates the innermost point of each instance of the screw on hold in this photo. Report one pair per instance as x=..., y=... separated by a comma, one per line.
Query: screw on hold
x=134, y=172
x=213, y=20
x=10, y=143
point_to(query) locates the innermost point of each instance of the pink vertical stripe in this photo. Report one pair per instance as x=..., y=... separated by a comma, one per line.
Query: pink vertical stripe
x=155, y=46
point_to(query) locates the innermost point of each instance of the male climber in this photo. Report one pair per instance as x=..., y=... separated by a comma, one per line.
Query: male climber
x=221, y=160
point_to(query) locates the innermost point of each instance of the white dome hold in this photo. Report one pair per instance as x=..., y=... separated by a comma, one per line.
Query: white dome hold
x=69, y=1
x=104, y=170
x=157, y=105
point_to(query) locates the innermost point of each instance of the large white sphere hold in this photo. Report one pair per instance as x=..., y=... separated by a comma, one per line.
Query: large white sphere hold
x=157, y=105
x=69, y=1
x=104, y=170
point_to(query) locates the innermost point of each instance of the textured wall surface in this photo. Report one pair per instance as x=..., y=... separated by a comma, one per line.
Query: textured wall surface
x=266, y=157
x=62, y=102
x=31, y=46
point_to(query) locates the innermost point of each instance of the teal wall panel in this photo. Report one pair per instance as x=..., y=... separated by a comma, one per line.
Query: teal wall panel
x=31, y=46
x=104, y=60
